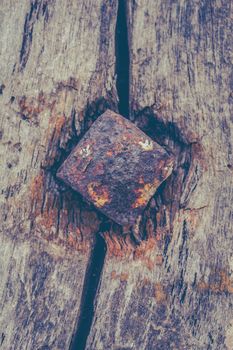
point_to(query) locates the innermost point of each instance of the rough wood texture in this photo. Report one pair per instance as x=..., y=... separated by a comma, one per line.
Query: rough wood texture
x=174, y=290
x=57, y=74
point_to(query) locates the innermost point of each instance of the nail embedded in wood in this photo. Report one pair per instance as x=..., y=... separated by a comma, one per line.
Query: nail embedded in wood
x=116, y=167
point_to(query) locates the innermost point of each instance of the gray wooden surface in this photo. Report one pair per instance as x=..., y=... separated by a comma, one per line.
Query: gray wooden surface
x=176, y=291
x=57, y=73
x=57, y=66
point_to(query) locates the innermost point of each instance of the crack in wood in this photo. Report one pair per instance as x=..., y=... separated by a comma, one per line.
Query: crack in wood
x=171, y=196
x=89, y=294
x=122, y=59
x=37, y=7
x=94, y=271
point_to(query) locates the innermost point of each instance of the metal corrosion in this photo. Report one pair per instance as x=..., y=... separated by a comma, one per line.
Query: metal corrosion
x=116, y=167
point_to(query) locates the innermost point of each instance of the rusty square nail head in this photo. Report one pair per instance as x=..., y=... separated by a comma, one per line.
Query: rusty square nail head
x=116, y=167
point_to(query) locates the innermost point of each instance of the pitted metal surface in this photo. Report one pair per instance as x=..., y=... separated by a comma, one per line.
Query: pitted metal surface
x=117, y=167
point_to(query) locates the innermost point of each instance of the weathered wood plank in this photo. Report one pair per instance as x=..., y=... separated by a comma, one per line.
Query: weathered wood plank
x=57, y=74
x=175, y=290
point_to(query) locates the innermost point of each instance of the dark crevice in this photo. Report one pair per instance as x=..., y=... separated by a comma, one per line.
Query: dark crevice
x=168, y=195
x=90, y=289
x=2, y=87
x=36, y=8
x=122, y=59
x=94, y=270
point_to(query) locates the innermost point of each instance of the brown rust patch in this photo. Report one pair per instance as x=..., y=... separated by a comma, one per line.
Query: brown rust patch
x=60, y=121
x=118, y=246
x=83, y=246
x=29, y=108
x=47, y=225
x=57, y=216
x=145, y=252
x=144, y=193
x=159, y=260
x=48, y=220
x=123, y=276
x=160, y=293
x=109, y=153
x=36, y=187
x=99, y=194
x=123, y=247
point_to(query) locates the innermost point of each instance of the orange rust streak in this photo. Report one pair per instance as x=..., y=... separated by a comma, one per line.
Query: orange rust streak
x=59, y=123
x=109, y=153
x=36, y=187
x=144, y=193
x=160, y=294
x=117, y=246
x=99, y=194
x=122, y=247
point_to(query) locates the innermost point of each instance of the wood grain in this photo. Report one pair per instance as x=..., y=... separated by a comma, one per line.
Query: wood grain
x=178, y=289
x=172, y=288
x=57, y=72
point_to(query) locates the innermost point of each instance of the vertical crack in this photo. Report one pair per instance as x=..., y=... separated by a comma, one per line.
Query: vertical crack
x=90, y=288
x=94, y=270
x=122, y=58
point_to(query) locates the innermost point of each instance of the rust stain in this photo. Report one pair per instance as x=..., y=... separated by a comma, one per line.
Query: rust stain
x=123, y=276
x=145, y=253
x=159, y=260
x=122, y=247
x=83, y=246
x=48, y=219
x=47, y=223
x=113, y=275
x=98, y=193
x=71, y=243
x=60, y=121
x=109, y=153
x=118, y=246
x=54, y=224
x=144, y=193
x=31, y=107
x=199, y=154
x=36, y=187
x=160, y=293
x=70, y=226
